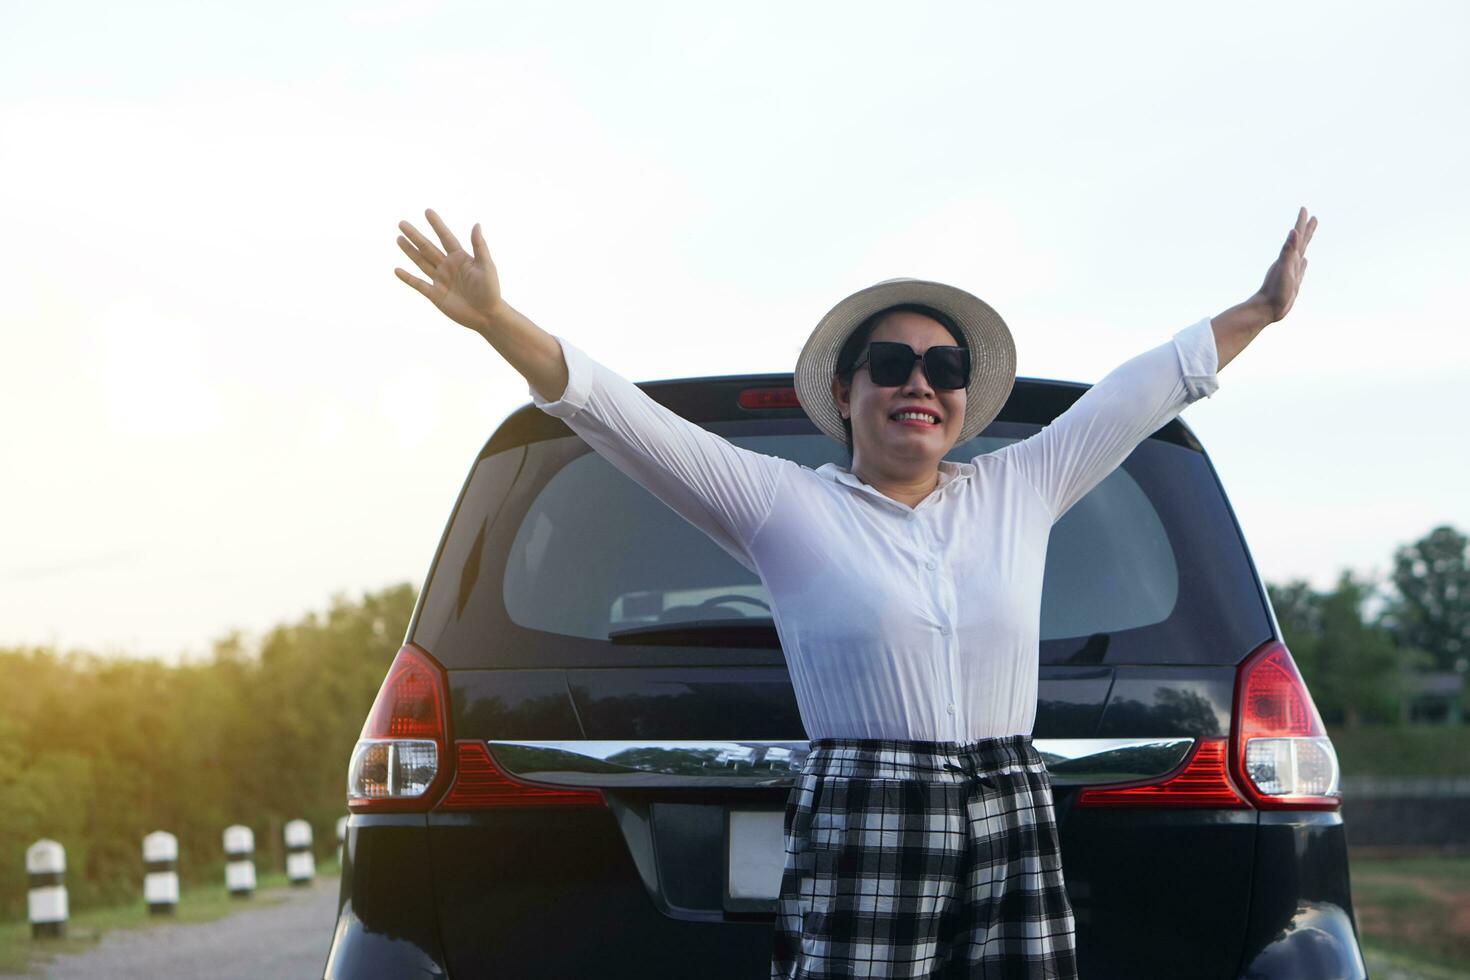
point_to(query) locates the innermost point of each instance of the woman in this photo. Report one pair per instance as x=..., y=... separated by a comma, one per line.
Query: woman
x=920, y=837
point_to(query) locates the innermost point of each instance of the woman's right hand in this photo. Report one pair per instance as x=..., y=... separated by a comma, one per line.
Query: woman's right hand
x=465, y=287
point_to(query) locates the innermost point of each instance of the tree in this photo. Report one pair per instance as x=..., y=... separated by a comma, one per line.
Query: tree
x=1360, y=664
x=1299, y=613
x=1351, y=667
x=1432, y=609
x=100, y=751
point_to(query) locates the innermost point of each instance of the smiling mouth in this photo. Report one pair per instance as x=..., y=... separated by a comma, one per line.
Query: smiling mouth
x=927, y=420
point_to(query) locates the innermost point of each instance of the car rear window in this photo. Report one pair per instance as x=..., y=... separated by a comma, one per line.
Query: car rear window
x=552, y=551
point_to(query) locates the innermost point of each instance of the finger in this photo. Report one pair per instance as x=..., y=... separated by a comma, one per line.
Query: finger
x=415, y=282
x=477, y=239
x=429, y=249
x=417, y=257
x=451, y=244
x=1311, y=227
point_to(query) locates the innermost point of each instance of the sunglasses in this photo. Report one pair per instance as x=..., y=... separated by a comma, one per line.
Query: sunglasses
x=890, y=364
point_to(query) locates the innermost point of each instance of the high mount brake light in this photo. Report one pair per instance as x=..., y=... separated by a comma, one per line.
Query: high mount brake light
x=1278, y=756
x=768, y=398
x=400, y=760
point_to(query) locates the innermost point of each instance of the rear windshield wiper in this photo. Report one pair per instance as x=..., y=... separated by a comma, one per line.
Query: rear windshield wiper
x=741, y=632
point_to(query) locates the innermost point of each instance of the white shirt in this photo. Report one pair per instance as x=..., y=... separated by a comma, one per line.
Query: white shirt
x=896, y=622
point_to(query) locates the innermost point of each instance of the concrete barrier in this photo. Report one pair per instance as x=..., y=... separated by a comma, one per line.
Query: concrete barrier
x=161, y=872
x=46, y=871
x=240, y=861
x=1397, y=812
x=300, y=864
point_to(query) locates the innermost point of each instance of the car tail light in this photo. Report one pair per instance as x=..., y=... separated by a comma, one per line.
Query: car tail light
x=1200, y=781
x=479, y=784
x=1280, y=753
x=768, y=398
x=402, y=761
x=399, y=761
x=1278, y=756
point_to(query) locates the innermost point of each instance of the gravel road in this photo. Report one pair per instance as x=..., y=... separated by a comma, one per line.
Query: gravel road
x=286, y=940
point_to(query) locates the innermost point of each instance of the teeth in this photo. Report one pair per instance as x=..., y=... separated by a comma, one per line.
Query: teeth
x=922, y=417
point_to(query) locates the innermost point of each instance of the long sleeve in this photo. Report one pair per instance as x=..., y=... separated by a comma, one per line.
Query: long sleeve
x=1090, y=439
x=725, y=491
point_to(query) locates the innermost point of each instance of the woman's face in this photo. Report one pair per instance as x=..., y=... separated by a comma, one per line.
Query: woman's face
x=883, y=442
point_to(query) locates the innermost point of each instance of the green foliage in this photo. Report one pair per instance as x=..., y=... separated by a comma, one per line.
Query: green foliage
x=96, y=753
x=1352, y=668
x=1431, y=610
x=1359, y=669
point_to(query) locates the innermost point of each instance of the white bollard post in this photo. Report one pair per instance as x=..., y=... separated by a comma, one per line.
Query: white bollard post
x=341, y=838
x=161, y=872
x=300, y=865
x=46, y=869
x=240, y=861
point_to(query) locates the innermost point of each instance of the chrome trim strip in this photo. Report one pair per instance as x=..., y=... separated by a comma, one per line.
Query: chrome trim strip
x=686, y=763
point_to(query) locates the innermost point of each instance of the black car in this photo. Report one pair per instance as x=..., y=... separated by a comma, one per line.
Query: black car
x=578, y=763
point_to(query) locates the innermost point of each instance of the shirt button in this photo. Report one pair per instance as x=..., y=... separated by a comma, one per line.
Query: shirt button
x=931, y=564
x=950, y=709
x=944, y=631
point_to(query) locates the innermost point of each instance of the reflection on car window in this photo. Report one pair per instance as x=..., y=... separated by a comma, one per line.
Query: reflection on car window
x=630, y=561
x=1109, y=564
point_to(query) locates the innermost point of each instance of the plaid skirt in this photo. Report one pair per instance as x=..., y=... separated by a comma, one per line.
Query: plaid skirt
x=922, y=859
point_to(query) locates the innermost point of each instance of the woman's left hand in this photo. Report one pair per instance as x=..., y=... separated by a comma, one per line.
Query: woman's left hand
x=1284, y=277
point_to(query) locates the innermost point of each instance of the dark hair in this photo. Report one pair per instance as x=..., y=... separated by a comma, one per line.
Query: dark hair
x=853, y=347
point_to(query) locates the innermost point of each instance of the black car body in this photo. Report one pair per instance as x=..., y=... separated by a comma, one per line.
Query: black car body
x=591, y=719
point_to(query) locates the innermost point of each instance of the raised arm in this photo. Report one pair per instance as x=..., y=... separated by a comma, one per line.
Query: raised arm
x=1085, y=443
x=1237, y=327
x=467, y=290
x=1090, y=439
x=722, y=489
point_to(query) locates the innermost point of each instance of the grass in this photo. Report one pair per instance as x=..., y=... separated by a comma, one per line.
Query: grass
x=19, y=953
x=1413, y=914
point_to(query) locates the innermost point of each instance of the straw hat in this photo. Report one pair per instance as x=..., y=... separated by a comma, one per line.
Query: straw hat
x=992, y=350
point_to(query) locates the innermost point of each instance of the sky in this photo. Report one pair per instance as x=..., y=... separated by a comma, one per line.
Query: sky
x=220, y=407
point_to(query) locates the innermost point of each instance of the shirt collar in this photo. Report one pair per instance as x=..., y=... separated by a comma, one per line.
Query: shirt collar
x=950, y=474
